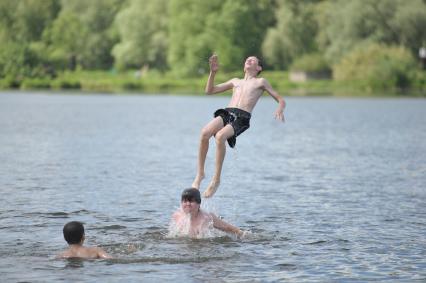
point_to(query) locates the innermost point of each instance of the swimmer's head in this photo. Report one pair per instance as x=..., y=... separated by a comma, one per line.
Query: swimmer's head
x=191, y=195
x=73, y=232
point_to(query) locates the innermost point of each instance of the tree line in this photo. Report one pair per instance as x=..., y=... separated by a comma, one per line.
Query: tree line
x=43, y=37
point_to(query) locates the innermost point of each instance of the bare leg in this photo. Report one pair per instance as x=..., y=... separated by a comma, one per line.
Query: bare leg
x=202, y=153
x=206, y=133
x=221, y=138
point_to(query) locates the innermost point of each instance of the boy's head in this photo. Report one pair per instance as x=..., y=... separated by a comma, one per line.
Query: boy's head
x=191, y=195
x=253, y=63
x=73, y=232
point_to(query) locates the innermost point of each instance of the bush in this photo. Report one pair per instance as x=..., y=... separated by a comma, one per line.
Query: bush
x=63, y=83
x=16, y=60
x=376, y=67
x=419, y=80
x=36, y=83
x=311, y=63
x=131, y=84
x=9, y=82
x=98, y=85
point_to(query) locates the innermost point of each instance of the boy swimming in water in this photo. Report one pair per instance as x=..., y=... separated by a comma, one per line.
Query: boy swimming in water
x=74, y=235
x=230, y=122
x=191, y=221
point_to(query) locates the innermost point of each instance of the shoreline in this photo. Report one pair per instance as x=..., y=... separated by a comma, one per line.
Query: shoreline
x=156, y=83
x=288, y=94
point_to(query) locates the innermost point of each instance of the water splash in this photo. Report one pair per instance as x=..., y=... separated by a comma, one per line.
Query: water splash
x=176, y=230
x=183, y=229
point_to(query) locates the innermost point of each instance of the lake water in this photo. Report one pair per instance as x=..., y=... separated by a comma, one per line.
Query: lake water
x=335, y=194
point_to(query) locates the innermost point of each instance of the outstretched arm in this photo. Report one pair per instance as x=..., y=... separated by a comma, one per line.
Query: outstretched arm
x=225, y=227
x=279, y=113
x=210, y=87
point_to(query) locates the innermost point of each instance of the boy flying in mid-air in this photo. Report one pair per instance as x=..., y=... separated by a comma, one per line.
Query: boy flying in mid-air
x=235, y=119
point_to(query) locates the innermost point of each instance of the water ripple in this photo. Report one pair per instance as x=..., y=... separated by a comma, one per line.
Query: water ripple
x=336, y=195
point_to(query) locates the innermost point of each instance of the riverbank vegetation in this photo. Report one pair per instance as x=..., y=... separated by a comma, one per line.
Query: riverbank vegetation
x=163, y=45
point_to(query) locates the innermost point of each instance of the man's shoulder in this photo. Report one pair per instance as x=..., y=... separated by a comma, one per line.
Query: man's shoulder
x=209, y=215
x=92, y=249
x=177, y=215
x=93, y=252
x=263, y=83
x=64, y=254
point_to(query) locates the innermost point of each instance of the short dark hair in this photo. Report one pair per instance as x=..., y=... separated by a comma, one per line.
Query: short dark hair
x=73, y=232
x=191, y=194
x=260, y=63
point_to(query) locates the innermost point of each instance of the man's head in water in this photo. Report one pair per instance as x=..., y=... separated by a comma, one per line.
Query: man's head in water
x=74, y=232
x=190, y=200
x=253, y=64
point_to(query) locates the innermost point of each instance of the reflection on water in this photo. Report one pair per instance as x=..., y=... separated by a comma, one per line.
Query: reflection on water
x=335, y=194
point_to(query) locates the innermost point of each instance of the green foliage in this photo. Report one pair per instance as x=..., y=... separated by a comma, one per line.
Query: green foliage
x=65, y=40
x=239, y=30
x=189, y=45
x=63, y=83
x=346, y=24
x=17, y=61
x=376, y=67
x=25, y=20
x=234, y=29
x=293, y=35
x=314, y=62
x=173, y=39
x=419, y=80
x=33, y=16
x=35, y=83
x=21, y=25
x=82, y=35
x=142, y=27
x=9, y=82
x=7, y=19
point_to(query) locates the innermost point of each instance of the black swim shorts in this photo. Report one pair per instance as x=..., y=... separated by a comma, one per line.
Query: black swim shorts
x=237, y=118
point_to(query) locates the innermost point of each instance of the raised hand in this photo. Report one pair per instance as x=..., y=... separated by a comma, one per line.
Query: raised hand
x=214, y=63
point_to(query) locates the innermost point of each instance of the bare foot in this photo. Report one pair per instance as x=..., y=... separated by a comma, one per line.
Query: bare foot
x=211, y=189
x=197, y=181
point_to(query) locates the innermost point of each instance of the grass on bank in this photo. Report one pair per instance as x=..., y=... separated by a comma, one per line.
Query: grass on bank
x=156, y=82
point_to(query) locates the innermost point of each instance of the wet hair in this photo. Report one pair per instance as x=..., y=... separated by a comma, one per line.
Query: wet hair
x=73, y=232
x=191, y=194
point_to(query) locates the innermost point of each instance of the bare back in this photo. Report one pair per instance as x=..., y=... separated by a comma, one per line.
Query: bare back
x=84, y=252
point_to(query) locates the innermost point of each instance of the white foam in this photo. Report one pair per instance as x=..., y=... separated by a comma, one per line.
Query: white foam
x=183, y=229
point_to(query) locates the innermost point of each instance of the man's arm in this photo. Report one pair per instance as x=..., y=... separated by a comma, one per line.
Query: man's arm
x=210, y=87
x=102, y=253
x=225, y=227
x=279, y=113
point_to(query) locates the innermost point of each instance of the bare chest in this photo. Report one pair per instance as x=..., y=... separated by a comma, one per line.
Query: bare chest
x=201, y=227
x=250, y=89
